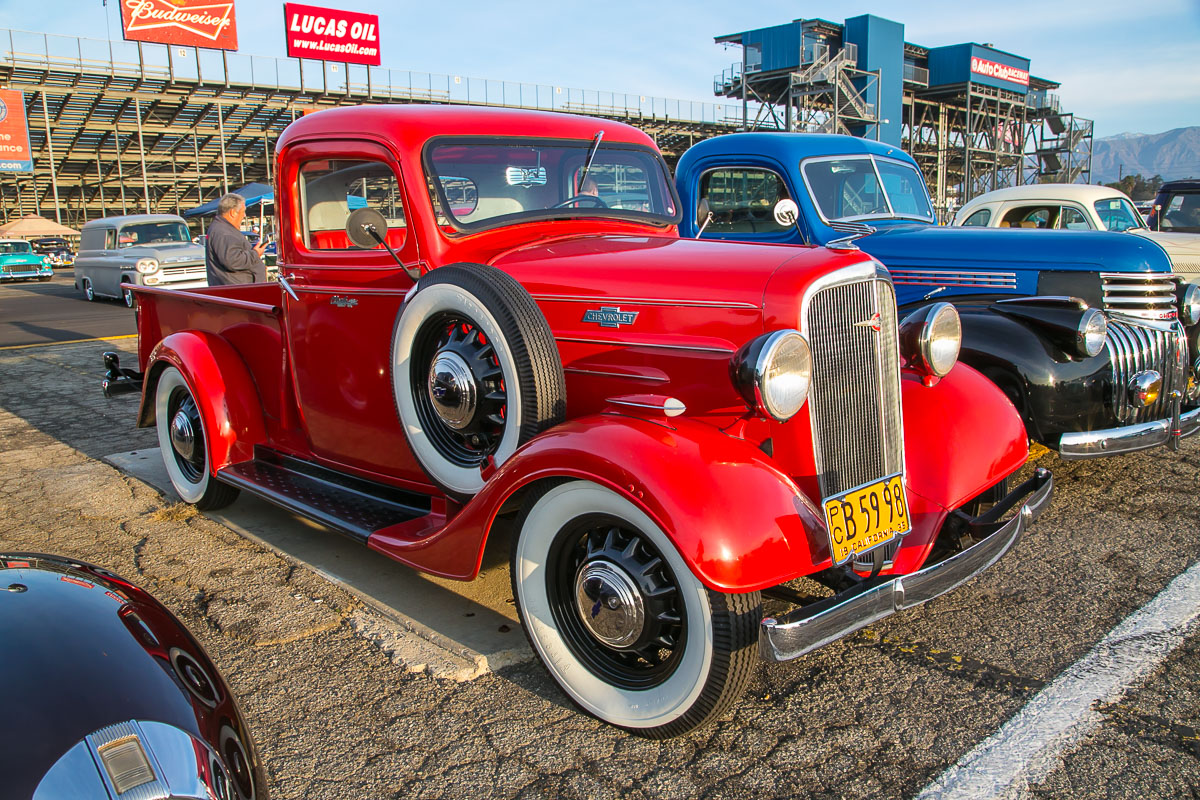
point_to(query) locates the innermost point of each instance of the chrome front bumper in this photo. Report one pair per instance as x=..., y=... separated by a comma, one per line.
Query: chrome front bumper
x=826, y=621
x=1113, y=441
x=30, y=273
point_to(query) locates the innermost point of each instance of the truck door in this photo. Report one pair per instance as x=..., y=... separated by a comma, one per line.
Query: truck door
x=340, y=329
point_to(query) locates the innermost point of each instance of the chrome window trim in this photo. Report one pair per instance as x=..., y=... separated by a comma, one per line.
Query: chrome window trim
x=891, y=213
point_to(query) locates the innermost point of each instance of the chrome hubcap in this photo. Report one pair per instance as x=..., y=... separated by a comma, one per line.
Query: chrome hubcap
x=452, y=390
x=183, y=436
x=610, y=603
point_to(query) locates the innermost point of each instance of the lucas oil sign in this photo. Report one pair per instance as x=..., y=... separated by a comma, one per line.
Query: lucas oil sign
x=191, y=23
x=14, y=133
x=331, y=35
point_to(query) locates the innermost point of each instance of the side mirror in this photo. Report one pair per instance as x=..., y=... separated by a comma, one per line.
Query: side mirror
x=703, y=212
x=366, y=228
x=787, y=212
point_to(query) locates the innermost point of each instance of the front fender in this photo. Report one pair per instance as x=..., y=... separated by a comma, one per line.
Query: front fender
x=227, y=396
x=738, y=522
x=961, y=436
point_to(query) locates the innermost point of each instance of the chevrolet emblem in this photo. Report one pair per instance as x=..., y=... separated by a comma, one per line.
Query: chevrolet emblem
x=873, y=323
x=609, y=317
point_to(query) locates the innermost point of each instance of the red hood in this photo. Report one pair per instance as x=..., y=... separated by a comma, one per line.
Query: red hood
x=662, y=268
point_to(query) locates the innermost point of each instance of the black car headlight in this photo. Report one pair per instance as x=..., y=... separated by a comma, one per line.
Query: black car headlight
x=773, y=372
x=1092, y=333
x=1189, y=304
x=931, y=337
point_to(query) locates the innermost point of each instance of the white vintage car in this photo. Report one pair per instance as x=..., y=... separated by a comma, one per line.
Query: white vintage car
x=1077, y=207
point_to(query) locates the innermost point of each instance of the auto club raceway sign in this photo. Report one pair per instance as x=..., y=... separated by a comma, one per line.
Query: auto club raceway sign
x=191, y=23
x=331, y=35
x=14, y=133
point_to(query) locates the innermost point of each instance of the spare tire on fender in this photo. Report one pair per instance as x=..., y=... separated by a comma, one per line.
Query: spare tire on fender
x=475, y=373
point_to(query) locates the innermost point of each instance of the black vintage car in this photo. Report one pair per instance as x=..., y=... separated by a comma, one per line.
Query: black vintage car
x=107, y=695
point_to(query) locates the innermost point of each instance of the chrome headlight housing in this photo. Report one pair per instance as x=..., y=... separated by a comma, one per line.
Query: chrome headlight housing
x=147, y=265
x=931, y=337
x=773, y=373
x=1189, y=305
x=1092, y=333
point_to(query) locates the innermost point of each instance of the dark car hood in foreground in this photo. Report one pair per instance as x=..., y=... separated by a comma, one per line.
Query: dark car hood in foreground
x=906, y=244
x=83, y=650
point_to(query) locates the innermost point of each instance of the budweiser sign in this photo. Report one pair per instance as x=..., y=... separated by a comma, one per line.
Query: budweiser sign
x=1002, y=72
x=192, y=23
x=331, y=35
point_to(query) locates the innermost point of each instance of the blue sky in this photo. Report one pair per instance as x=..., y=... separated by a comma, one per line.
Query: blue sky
x=1131, y=66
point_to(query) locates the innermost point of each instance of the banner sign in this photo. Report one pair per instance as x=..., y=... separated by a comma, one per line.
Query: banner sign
x=328, y=34
x=1001, y=72
x=14, y=133
x=191, y=23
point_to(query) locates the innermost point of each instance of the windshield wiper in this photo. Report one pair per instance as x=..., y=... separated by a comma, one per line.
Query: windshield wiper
x=588, y=164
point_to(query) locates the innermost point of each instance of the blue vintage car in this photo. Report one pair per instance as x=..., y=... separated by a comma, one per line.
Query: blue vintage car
x=1089, y=334
x=18, y=262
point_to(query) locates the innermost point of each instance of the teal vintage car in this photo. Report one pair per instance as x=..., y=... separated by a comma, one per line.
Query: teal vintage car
x=18, y=262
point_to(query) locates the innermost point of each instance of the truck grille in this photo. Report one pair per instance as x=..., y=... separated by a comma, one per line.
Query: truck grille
x=184, y=272
x=1148, y=295
x=1134, y=348
x=854, y=403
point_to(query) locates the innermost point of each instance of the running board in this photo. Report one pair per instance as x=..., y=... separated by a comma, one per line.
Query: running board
x=351, y=506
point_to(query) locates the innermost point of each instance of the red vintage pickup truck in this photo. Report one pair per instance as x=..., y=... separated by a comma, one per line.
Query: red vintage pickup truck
x=487, y=324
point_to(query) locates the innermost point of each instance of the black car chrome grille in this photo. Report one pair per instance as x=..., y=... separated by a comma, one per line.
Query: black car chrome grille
x=854, y=403
x=1135, y=348
x=1147, y=295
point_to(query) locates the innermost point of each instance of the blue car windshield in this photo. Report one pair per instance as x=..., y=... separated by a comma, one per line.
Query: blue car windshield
x=8, y=248
x=865, y=187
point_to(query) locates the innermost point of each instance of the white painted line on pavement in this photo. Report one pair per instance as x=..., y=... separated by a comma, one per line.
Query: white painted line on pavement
x=1030, y=745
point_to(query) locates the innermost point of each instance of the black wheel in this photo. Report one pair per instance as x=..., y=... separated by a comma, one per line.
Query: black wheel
x=620, y=622
x=45, y=278
x=88, y=292
x=184, y=445
x=475, y=372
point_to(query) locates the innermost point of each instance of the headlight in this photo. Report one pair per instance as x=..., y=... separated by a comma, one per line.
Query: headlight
x=773, y=373
x=45, y=261
x=147, y=265
x=931, y=337
x=1092, y=331
x=1189, y=306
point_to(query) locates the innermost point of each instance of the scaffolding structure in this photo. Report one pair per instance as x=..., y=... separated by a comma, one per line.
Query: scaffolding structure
x=121, y=127
x=968, y=137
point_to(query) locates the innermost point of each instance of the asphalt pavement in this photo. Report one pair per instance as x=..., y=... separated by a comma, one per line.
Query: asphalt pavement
x=882, y=714
x=40, y=312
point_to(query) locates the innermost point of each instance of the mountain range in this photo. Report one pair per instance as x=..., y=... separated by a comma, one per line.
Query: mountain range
x=1174, y=155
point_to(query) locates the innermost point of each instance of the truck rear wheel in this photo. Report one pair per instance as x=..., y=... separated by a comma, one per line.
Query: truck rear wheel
x=618, y=619
x=475, y=373
x=184, y=445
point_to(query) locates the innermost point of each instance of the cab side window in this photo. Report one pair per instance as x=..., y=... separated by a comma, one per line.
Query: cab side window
x=1073, y=219
x=330, y=189
x=979, y=218
x=1031, y=217
x=110, y=239
x=742, y=200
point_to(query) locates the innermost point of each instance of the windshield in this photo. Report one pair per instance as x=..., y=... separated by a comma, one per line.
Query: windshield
x=1117, y=214
x=485, y=183
x=15, y=247
x=153, y=233
x=1181, y=213
x=862, y=187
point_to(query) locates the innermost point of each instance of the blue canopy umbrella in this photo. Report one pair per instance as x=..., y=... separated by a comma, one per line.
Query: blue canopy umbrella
x=255, y=193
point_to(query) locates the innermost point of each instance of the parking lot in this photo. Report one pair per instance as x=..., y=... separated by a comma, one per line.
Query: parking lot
x=346, y=700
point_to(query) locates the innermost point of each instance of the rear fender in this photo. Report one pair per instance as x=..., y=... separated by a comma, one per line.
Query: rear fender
x=226, y=394
x=738, y=522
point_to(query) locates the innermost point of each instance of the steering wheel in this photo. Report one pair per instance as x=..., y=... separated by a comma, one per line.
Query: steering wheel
x=582, y=198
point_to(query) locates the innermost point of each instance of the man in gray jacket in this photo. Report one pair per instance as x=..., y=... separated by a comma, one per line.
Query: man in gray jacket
x=228, y=256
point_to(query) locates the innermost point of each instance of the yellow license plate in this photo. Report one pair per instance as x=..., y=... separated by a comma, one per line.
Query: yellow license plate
x=866, y=517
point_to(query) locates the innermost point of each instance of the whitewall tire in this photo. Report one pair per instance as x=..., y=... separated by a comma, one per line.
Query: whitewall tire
x=184, y=445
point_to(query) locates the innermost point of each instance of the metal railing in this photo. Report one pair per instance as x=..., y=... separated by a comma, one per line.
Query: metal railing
x=148, y=62
x=915, y=74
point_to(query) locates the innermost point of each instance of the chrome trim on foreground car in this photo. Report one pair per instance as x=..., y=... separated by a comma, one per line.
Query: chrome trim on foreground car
x=806, y=629
x=1111, y=441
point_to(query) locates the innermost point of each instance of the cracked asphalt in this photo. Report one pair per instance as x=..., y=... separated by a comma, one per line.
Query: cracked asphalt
x=879, y=714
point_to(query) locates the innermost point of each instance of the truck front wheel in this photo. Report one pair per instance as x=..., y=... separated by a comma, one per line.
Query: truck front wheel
x=618, y=619
x=184, y=445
